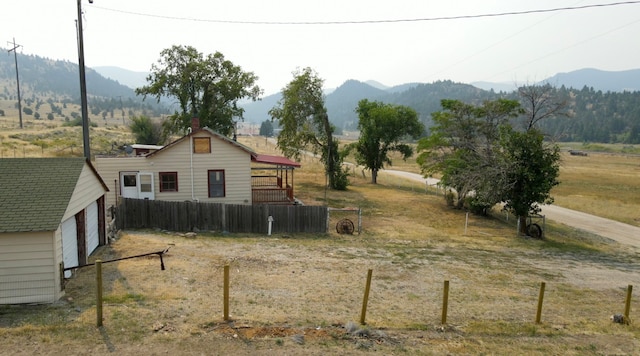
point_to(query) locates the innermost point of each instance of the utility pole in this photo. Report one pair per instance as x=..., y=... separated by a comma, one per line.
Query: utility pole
x=83, y=85
x=15, y=56
x=121, y=109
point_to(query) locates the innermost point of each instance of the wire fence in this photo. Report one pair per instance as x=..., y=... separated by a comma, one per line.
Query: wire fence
x=244, y=291
x=271, y=282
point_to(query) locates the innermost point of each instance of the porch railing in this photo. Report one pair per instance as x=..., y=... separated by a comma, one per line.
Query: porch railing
x=266, y=181
x=272, y=195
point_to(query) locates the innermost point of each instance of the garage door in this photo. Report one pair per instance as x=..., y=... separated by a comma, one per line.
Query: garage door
x=69, y=244
x=93, y=238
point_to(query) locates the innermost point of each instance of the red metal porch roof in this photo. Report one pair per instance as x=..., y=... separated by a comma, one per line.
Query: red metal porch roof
x=277, y=160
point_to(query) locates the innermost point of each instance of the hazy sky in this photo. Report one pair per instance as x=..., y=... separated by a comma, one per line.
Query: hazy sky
x=345, y=39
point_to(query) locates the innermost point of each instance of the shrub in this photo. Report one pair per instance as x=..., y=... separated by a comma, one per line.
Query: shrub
x=476, y=206
x=449, y=197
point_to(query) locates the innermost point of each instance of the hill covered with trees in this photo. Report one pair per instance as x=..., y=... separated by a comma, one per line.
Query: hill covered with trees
x=595, y=115
x=48, y=86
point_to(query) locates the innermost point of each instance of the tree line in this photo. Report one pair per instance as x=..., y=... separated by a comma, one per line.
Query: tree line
x=592, y=115
x=596, y=116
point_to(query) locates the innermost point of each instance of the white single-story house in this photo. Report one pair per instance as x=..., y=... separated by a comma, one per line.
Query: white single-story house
x=52, y=216
x=203, y=166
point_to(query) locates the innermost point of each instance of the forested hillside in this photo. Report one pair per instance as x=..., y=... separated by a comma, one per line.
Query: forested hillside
x=47, y=86
x=626, y=80
x=596, y=116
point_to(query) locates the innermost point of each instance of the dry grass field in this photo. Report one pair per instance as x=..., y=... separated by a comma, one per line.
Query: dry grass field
x=602, y=184
x=303, y=294
x=45, y=138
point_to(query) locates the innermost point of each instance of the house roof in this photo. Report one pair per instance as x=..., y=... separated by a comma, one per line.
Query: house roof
x=277, y=160
x=35, y=192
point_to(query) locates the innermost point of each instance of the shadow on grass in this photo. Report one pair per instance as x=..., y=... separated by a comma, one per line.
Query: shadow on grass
x=107, y=339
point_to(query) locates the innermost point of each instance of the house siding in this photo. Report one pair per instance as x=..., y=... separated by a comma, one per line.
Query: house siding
x=59, y=259
x=28, y=272
x=235, y=162
x=109, y=169
x=236, y=165
x=87, y=190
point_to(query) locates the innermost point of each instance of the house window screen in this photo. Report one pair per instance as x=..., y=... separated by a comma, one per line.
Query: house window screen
x=146, y=183
x=216, y=184
x=201, y=145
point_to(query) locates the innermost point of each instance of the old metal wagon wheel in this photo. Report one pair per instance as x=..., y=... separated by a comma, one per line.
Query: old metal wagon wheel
x=534, y=230
x=345, y=226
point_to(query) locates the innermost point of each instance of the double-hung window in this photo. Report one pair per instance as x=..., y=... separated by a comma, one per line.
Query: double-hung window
x=216, y=183
x=168, y=181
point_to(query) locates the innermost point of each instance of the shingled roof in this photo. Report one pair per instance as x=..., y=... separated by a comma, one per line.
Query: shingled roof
x=35, y=192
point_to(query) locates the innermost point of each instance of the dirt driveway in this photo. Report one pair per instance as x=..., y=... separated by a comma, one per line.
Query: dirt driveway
x=614, y=230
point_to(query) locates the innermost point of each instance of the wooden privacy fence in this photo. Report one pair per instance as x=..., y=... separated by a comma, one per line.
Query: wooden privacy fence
x=235, y=218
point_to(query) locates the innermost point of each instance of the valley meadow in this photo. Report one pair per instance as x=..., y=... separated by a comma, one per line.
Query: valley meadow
x=304, y=294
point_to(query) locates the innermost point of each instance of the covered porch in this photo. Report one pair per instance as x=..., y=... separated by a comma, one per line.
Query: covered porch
x=272, y=179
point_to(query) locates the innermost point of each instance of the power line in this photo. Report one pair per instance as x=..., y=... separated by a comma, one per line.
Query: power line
x=360, y=22
x=566, y=48
x=498, y=42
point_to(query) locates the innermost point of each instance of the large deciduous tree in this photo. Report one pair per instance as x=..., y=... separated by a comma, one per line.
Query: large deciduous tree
x=534, y=170
x=476, y=149
x=535, y=162
x=207, y=87
x=382, y=128
x=464, y=148
x=302, y=117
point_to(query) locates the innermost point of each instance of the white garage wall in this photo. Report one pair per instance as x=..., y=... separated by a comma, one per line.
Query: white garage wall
x=27, y=270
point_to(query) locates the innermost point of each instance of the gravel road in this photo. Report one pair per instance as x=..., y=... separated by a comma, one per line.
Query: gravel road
x=614, y=230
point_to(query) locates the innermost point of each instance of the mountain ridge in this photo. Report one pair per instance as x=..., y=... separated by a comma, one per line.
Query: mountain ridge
x=129, y=78
x=603, y=80
x=596, y=116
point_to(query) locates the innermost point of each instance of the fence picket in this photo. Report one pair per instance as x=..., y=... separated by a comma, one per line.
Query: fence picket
x=235, y=218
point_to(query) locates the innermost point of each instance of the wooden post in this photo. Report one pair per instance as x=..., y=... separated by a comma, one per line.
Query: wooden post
x=540, y=299
x=226, y=292
x=627, y=303
x=99, y=293
x=366, y=297
x=466, y=222
x=445, y=302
